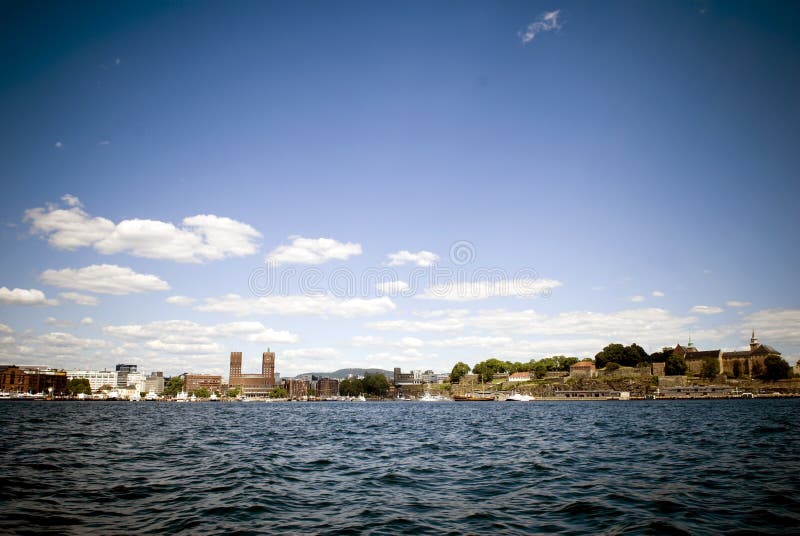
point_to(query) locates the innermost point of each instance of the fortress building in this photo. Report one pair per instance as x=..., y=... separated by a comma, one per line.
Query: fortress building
x=253, y=385
x=733, y=364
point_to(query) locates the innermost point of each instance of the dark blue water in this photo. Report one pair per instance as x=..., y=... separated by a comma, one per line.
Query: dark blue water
x=660, y=467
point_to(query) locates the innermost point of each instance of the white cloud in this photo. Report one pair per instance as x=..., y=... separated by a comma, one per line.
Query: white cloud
x=53, y=321
x=104, y=279
x=180, y=300
x=580, y=330
x=80, y=299
x=657, y=294
x=71, y=200
x=420, y=258
x=5, y=329
x=546, y=22
x=438, y=325
x=473, y=341
x=58, y=344
x=202, y=238
x=636, y=299
x=184, y=337
x=68, y=228
x=774, y=326
x=307, y=353
x=479, y=290
x=392, y=287
x=411, y=342
x=707, y=309
x=410, y=356
x=362, y=340
x=185, y=348
x=21, y=296
x=87, y=321
x=312, y=251
x=737, y=303
x=310, y=305
x=58, y=145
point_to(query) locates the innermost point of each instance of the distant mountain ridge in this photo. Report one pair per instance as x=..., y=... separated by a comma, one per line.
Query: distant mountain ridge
x=341, y=374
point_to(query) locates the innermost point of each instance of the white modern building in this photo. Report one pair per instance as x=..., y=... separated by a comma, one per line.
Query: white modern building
x=97, y=378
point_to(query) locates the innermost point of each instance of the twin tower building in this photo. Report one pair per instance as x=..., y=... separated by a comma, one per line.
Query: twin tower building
x=253, y=385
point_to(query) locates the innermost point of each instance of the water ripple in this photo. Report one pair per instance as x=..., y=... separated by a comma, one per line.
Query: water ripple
x=711, y=467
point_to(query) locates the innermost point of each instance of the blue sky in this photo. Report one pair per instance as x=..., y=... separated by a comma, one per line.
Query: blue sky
x=621, y=171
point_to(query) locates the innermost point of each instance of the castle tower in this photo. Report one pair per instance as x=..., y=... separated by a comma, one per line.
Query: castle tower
x=753, y=342
x=268, y=367
x=236, y=366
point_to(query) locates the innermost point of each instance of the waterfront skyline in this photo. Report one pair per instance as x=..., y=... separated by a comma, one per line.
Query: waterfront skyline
x=620, y=172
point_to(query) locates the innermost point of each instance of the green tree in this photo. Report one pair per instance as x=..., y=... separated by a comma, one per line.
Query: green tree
x=78, y=386
x=613, y=352
x=486, y=369
x=710, y=368
x=278, y=392
x=202, y=393
x=351, y=387
x=612, y=366
x=174, y=386
x=376, y=384
x=661, y=357
x=775, y=368
x=675, y=366
x=233, y=393
x=635, y=354
x=459, y=371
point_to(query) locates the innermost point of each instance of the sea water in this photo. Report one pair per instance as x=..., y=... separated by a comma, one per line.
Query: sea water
x=650, y=467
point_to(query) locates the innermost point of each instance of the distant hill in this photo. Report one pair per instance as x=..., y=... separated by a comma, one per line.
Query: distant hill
x=344, y=373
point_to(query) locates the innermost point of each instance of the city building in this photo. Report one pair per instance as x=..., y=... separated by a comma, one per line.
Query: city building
x=154, y=383
x=733, y=364
x=582, y=369
x=14, y=379
x=122, y=374
x=193, y=382
x=296, y=389
x=253, y=385
x=406, y=378
x=519, y=377
x=327, y=387
x=97, y=378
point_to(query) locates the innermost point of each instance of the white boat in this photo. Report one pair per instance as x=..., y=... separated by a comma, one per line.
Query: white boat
x=112, y=395
x=428, y=397
x=519, y=397
x=181, y=397
x=135, y=397
x=360, y=398
x=151, y=396
x=213, y=398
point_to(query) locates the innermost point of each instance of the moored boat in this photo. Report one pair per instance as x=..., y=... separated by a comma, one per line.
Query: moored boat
x=473, y=398
x=519, y=397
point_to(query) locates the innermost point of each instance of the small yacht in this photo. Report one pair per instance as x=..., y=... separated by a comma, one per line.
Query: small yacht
x=149, y=397
x=213, y=398
x=428, y=397
x=518, y=397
